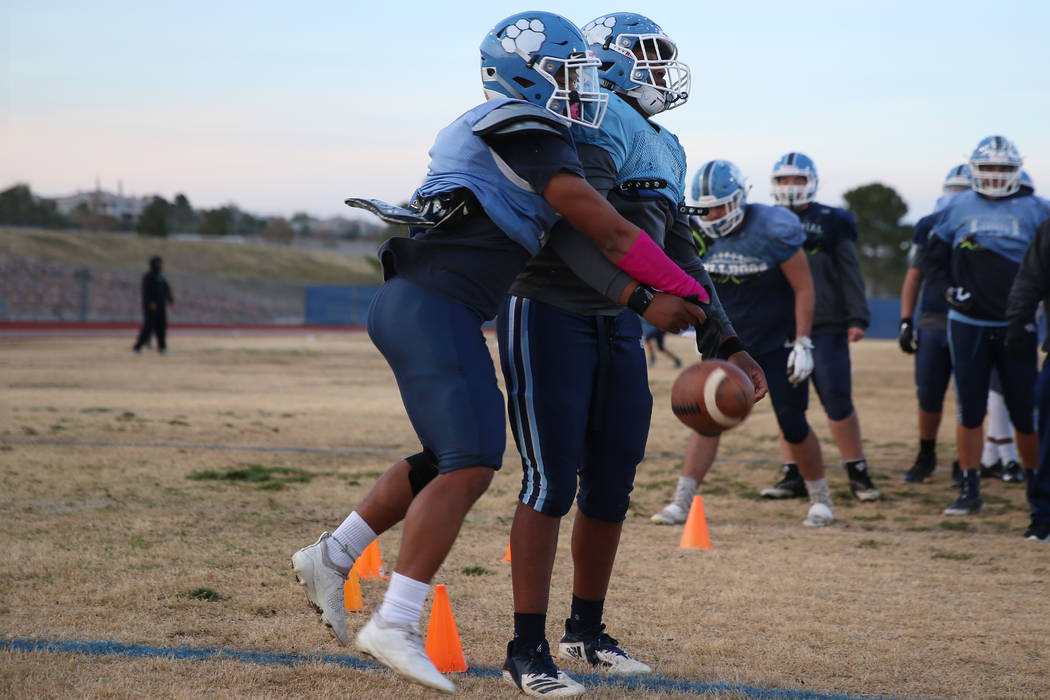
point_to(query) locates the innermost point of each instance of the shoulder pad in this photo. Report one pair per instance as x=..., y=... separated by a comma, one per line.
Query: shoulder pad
x=518, y=117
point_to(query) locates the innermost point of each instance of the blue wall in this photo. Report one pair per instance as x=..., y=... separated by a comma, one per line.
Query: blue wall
x=332, y=305
x=885, y=317
x=337, y=305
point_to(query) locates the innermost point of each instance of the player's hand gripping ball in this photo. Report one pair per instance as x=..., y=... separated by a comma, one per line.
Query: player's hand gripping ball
x=712, y=396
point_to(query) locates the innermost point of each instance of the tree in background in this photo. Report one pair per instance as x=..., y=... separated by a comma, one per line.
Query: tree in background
x=154, y=219
x=883, y=241
x=278, y=231
x=20, y=207
x=183, y=218
x=216, y=222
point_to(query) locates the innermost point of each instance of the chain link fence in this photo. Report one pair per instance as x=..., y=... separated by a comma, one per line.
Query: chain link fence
x=35, y=290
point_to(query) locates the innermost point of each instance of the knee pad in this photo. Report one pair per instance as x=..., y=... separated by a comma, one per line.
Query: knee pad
x=609, y=510
x=793, y=425
x=838, y=407
x=422, y=470
x=930, y=401
x=551, y=496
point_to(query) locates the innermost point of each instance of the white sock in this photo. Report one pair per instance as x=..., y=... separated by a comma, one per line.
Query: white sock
x=403, y=602
x=990, y=453
x=998, y=417
x=349, y=540
x=1007, y=452
x=819, y=492
x=684, y=492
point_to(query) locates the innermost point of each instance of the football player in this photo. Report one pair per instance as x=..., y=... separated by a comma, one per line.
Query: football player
x=928, y=339
x=1031, y=285
x=575, y=372
x=756, y=259
x=973, y=256
x=840, y=317
x=499, y=177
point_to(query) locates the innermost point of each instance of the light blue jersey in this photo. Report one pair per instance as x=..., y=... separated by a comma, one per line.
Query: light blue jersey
x=977, y=245
x=640, y=149
x=1003, y=226
x=745, y=266
x=459, y=158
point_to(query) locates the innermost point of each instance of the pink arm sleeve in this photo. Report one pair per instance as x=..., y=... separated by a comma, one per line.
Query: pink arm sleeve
x=648, y=264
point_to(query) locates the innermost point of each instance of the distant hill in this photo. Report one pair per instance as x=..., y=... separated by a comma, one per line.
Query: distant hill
x=222, y=259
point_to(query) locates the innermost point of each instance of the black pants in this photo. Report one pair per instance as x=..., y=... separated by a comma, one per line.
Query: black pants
x=153, y=323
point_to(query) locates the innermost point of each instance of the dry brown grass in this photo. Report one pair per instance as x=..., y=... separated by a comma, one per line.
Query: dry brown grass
x=105, y=542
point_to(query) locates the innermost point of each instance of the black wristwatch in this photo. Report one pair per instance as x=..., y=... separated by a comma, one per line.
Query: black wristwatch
x=640, y=299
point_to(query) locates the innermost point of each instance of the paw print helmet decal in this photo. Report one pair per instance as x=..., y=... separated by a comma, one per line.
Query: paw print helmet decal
x=542, y=58
x=639, y=61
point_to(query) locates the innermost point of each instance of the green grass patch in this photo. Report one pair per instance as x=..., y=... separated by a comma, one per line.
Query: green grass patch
x=956, y=525
x=126, y=416
x=29, y=430
x=877, y=516
x=868, y=544
x=715, y=490
x=264, y=477
x=207, y=594
x=176, y=421
x=95, y=409
x=477, y=571
x=952, y=555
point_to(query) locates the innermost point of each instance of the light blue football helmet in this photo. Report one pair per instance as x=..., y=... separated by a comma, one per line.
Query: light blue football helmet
x=958, y=179
x=719, y=182
x=998, y=152
x=1026, y=183
x=638, y=61
x=542, y=58
x=787, y=195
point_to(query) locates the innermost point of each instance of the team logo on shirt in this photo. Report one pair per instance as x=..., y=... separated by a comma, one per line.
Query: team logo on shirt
x=732, y=267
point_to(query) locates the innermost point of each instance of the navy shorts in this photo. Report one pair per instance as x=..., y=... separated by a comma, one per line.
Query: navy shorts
x=789, y=402
x=1039, y=486
x=444, y=372
x=579, y=405
x=933, y=369
x=975, y=351
x=831, y=374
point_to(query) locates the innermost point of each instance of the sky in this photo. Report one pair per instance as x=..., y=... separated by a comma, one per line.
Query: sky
x=282, y=107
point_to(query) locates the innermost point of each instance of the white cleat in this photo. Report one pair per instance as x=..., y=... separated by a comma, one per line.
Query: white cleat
x=400, y=648
x=672, y=514
x=819, y=515
x=324, y=583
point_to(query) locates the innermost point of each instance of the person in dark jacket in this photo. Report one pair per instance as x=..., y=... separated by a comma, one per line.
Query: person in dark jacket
x=1031, y=285
x=840, y=317
x=156, y=296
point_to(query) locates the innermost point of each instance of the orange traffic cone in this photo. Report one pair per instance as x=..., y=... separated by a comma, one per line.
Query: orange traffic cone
x=443, y=647
x=370, y=564
x=352, y=592
x=506, y=557
x=695, y=534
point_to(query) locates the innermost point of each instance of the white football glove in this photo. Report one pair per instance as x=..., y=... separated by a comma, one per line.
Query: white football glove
x=800, y=361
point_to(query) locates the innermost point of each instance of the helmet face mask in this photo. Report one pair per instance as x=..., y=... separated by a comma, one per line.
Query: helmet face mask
x=542, y=58
x=793, y=194
x=995, y=167
x=639, y=61
x=719, y=184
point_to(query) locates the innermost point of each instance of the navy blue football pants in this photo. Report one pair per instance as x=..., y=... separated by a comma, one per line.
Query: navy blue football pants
x=1039, y=487
x=444, y=372
x=933, y=369
x=579, y=405
x=975, y=351
x=789, y=402
x=831, y=374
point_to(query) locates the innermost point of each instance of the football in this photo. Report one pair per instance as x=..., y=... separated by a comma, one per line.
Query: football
x=712, y=396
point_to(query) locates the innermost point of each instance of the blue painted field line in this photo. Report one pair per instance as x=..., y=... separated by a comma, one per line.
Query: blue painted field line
x=654, y=683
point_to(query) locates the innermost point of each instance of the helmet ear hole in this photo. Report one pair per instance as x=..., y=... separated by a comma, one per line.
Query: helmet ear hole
x=524, y=82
